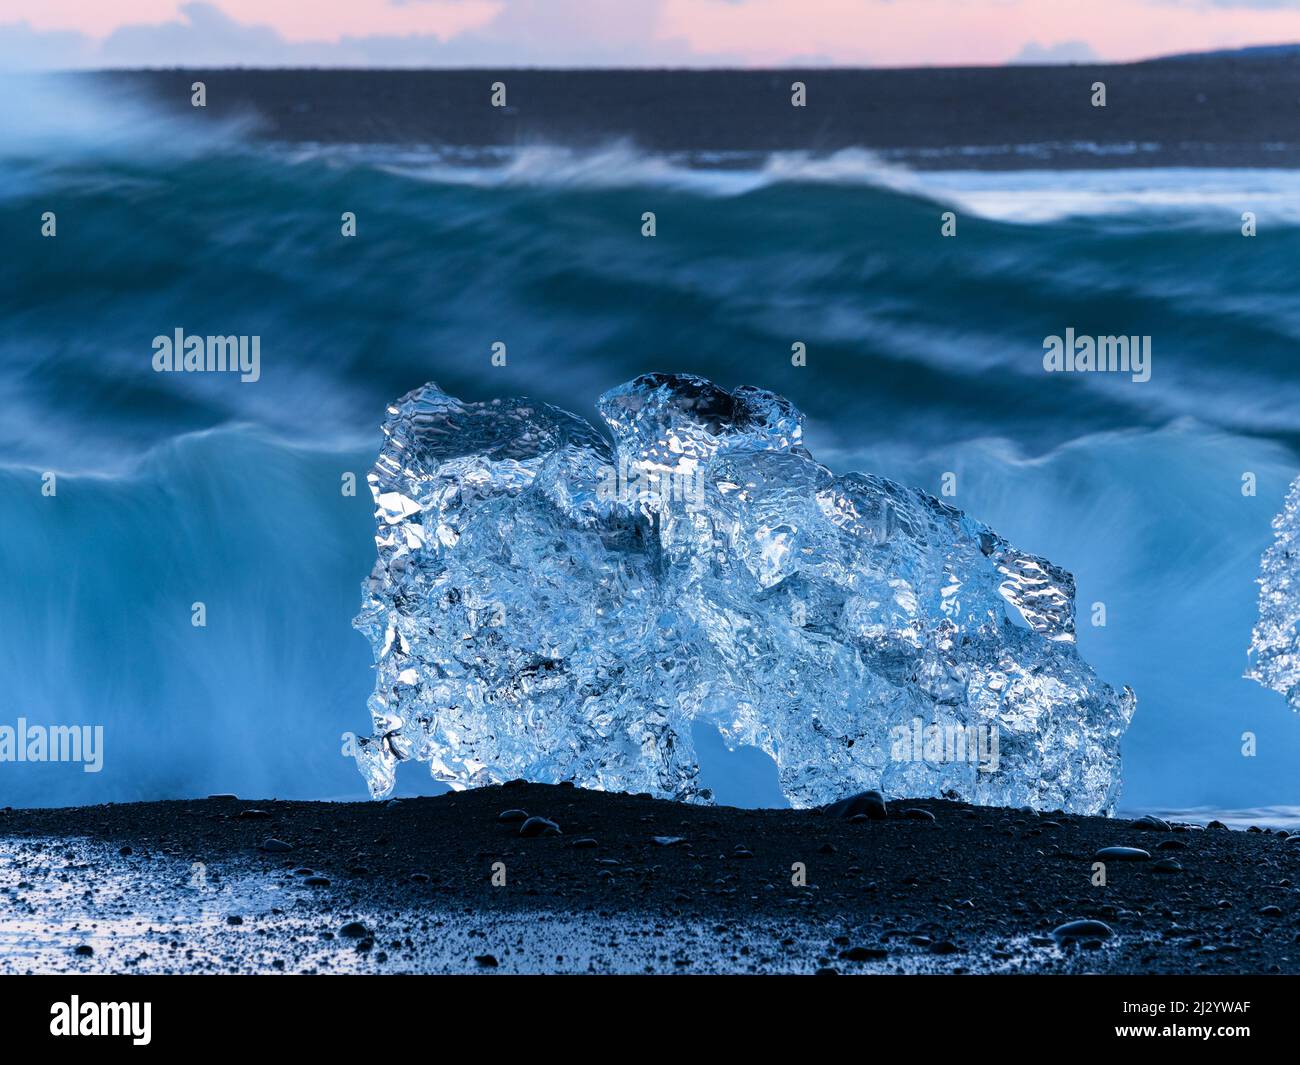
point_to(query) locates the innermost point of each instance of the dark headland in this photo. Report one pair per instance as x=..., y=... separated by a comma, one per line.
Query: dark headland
x=1214, y=110
x=632, y=884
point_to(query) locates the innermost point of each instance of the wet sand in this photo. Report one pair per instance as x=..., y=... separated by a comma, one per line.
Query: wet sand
x=631, y=884
x=1204, y=111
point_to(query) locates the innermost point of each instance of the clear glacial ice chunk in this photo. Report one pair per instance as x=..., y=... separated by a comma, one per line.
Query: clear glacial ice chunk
x=552, y=604
x=1275, y=641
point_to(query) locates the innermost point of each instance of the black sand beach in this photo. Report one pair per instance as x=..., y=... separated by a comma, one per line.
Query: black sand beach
x=631, y=884
x=1203, y=111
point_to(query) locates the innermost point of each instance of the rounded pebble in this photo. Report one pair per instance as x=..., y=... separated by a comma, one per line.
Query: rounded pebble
x=1072, y=931
x=539, y=826
x=870, y=803
x=1122, y=854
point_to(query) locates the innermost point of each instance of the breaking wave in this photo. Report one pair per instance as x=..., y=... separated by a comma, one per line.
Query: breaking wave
x=924, y=357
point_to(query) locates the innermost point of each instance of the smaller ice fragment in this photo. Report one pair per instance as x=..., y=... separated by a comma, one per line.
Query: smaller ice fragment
x=1275, y=642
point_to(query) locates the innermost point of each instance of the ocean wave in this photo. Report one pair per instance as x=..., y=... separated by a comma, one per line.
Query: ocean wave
x=1166, y=197
x=924, y=356
x=101, y=581
x=64, y=120
x=57, y=120
x=102, y=578
x=892, y=313
x=621, y=165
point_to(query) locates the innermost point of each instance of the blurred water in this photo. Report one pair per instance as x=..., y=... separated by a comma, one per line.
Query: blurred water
x=924, y=356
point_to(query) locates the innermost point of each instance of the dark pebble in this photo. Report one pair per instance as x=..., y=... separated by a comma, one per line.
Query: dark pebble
x=234, y=918
x=125, y=852
x=1122, y=854
x=254, y=815
x=488, y=961
x=1167, y=865
x=871, y=803
x=512, y=817
x=1151, y=824
x=85, y=950
x=539, y=826
x=316, y=881
x=1171, y=845
x=1077, y=930
x=354, y=930
x=917, y=814
x=1271, y=911
x=275, y=846
x=1216, y=824
x=943, y=947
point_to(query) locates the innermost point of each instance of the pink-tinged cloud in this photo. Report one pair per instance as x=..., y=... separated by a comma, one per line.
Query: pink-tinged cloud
x=955, y=32
x=295, y=20
x=627, y=32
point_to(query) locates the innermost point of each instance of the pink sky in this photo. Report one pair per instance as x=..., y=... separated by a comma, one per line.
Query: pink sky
x=547, y=32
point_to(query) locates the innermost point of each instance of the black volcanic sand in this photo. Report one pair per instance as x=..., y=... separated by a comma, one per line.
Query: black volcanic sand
x=1206, y=111
x=406, y=886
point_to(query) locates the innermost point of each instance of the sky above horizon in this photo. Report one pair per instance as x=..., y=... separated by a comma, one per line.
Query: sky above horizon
x=167, y=33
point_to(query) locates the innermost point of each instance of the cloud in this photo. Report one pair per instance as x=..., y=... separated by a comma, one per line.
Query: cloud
x=203, y=36
x=1034, y=53
x=23, y=48
x=523, y=32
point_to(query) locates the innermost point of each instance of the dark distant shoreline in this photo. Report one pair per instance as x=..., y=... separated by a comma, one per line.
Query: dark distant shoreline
x=1207, y=111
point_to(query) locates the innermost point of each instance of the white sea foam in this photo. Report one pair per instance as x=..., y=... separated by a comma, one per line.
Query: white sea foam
x=1030, y=196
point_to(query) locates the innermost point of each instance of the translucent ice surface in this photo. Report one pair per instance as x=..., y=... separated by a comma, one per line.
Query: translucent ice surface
x=553, y=604
x=1275, y=643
